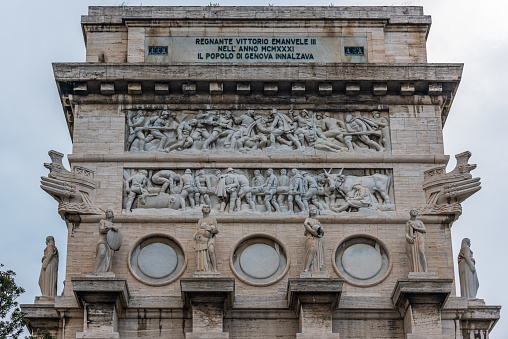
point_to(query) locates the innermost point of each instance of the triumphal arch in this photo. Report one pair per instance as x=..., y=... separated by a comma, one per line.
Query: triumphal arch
x=258, y=172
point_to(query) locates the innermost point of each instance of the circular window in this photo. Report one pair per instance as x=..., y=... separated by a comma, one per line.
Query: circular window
x=157, y=259
x=362, y=260
x=259, y=259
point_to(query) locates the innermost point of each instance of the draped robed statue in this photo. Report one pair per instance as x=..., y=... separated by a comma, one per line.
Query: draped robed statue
x=415, y=243
x=467, y=271
x=49, y=270
x=314, y=249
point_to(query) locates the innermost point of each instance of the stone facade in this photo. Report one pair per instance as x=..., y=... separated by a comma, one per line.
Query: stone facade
x=262, y=113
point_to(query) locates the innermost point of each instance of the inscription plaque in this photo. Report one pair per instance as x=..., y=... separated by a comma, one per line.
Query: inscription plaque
x=254, y=49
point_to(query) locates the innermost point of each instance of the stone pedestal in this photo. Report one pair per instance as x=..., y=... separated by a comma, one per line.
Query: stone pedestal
x=208, y=298
x=419, y=301
x=103, y=299
x=313, y=300
x=43, y=316
x=479, y=319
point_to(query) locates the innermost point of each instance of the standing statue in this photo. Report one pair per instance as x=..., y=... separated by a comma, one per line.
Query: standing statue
x=314, y=249
x=205, y=242
x=415, y=243
x=109, y=241
x=49, y=271
x=467, y=271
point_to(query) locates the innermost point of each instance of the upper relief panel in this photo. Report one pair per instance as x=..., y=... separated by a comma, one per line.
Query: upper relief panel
x=293, y=131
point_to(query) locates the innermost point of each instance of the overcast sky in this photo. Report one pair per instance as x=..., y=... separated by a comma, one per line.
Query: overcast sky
x=33, y=34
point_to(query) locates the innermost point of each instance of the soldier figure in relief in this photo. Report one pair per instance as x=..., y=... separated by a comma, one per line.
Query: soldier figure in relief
x=244, y=192
x=244, y=121
x=167, y=179
x=203, y=186
x=333, y=128
x=221, y=127
x=311, y=192
x=135, y=125
x=258, y=181
x=184, y=133
x=255, y=136
x=270, y=190
x=282, y=126
x=187, y=187
x=227, y=190
x=136, y=185
x=360, y=128
x=305, y=127
x=283, y=186
x=156, y=127
x=383, y=127
x=296, y=191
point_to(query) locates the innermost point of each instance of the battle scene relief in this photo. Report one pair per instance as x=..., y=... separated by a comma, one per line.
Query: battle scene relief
x=251, y=191
x=256, y=131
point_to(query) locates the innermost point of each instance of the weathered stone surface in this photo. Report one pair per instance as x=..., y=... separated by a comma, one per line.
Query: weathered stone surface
x=376, y=113
x=419, y=301
x=103, y=299
x=313, y=299
x=208, y=299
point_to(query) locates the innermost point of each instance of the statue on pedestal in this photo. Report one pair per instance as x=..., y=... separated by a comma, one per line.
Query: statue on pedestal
x=415, y=243
x=314, y=249
x=109, y=241
x=467, y=271
x=49, y=271
x=205, y=242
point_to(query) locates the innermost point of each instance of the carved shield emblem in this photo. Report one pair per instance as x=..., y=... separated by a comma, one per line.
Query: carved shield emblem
x=114, y=240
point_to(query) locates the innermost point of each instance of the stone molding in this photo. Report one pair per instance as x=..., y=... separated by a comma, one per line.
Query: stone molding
x=264, y=161
x=427, y=290
x=272, y=218
x=104, y=299
x=314, y=290
x=208, y=287
x=394, y=14
x=89, y=289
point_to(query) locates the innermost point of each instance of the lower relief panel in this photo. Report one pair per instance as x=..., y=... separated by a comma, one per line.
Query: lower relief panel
x=252, y=191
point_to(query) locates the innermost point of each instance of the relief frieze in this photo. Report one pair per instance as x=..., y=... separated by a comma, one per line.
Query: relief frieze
x=251, y=191
x=257, y=131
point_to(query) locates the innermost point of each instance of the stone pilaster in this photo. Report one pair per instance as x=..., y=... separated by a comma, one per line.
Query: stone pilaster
x=313, y=300
x=103, y=300
x=479, y=319
x=208, y=299
x=419, y=301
